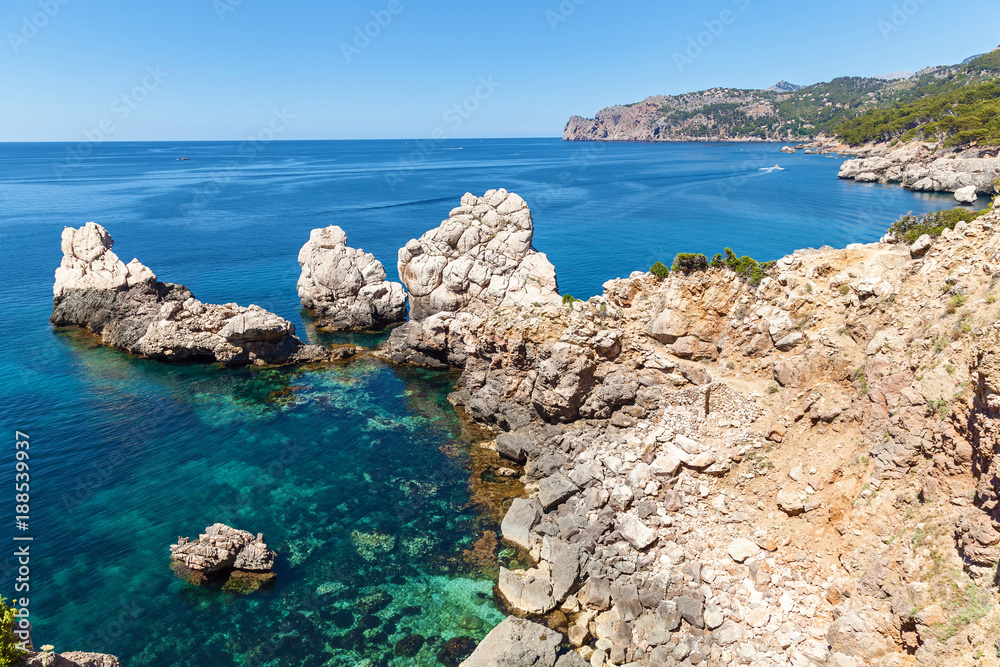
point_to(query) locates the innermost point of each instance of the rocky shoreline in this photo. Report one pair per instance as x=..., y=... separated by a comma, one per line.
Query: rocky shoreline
x=919, y=166
x=721, y=474
x=797, y=472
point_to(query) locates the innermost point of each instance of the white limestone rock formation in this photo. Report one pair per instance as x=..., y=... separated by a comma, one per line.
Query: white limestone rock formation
x=966, y=195
x=130, y=310
x=476, y=261
x=926, y=167
x=347, y=286
x=89, y=263
x=480, y=257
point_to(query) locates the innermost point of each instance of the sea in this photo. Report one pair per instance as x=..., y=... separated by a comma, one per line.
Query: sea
x=358, y=474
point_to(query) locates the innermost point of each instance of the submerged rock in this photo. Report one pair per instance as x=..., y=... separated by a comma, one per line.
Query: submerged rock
x=347, y=286
x=372, y=602
x=130, y=310
x=409, y=645
x=456, y=650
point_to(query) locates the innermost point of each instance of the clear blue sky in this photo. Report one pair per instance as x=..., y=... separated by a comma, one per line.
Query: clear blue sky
x=225, y=76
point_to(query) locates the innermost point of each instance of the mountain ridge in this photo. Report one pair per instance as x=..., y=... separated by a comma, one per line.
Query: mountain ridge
x=735, y=114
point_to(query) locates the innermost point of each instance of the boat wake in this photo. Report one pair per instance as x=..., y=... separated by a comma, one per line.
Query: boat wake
x=771, y=169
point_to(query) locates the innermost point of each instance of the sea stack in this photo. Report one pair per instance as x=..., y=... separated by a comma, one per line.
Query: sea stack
x=346, y=287
x=132, y=311
x=476, y=261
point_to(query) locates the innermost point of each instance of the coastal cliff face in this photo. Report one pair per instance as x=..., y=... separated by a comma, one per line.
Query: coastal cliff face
x=686, y=117
x=617, y=123
x=131, y=311
x=801, y=472
x=847, y=105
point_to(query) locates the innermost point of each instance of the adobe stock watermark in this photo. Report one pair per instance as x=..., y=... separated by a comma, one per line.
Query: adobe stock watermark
x=714, y=28
x=454, y=116
x=32, y=25
x=901, y=15
x=248, y=150
x=22, y=539
x=562, y=13
x=121, y=108
x=364, y=35
x=223, y=7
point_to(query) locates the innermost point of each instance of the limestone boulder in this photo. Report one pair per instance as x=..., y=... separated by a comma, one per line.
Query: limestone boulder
x=346, y=286
x=222, y=547
x=517, y=642
x=966, y=195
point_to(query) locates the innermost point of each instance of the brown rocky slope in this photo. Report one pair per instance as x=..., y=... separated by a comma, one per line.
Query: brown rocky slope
x=797, y=473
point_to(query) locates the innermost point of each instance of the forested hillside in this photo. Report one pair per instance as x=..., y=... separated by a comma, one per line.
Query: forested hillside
x=862, y=107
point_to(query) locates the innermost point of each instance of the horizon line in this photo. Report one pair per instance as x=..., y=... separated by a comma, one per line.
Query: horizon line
x=272, y=141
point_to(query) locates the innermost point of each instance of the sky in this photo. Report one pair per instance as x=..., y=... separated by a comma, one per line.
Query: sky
x=146, y=70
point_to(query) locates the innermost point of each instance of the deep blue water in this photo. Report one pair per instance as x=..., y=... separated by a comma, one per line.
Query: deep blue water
x=129, y=454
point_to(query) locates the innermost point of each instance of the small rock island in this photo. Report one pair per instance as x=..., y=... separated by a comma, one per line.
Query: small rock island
x=224, y=551
x=346, y=287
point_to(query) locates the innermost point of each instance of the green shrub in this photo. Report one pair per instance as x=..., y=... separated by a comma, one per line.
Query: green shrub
x=569, y=298
x=10, y=653
x=956, y=302
x=911, y=227
x=686, y=262
x=659, y=270
x=748, y=268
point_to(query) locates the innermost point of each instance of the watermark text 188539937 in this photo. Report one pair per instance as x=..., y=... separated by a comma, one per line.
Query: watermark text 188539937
x=22, y=546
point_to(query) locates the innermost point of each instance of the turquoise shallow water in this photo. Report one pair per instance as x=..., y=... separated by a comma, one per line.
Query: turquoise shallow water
x=352, y=472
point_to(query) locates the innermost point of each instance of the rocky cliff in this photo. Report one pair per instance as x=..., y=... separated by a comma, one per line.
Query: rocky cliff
x=720, y=114
x=800, y=472
x=71, y=659
x=132, y=311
